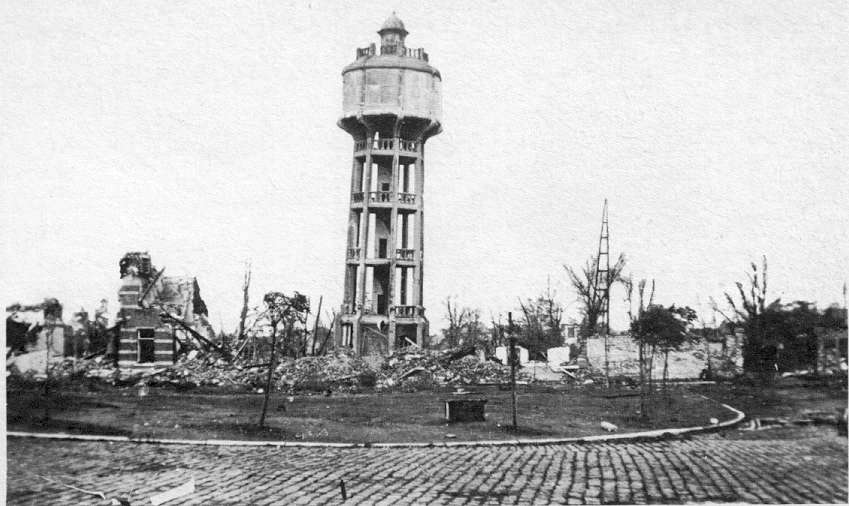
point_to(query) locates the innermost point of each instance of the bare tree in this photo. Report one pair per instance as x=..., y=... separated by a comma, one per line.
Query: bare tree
x=315, y=325
x=287, y=311
x=644, y=355
x=246, y=285
x=539, y=328
x=456, y=322
x=758, y=349
x=592, y=303
x=553, y=310
x=464, y=326
x=328, y=334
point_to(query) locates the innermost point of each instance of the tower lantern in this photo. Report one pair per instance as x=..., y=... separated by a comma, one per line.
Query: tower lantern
x=391, y=106
x=392, y=35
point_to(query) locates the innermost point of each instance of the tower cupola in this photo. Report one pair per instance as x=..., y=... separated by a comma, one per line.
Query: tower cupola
x=392, y=35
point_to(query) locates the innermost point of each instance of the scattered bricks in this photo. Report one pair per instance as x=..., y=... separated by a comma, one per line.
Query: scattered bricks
x=340, y=370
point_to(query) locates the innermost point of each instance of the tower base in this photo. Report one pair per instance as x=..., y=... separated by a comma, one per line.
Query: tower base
x=371, y=334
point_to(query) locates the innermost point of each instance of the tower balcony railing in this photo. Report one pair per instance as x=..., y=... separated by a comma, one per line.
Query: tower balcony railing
x=379, y=197
x=408, y=254
x=366, y=51
x=353, y=253
x=407, y=311
x=382, y=197
x=383, y=144
x=408, y=52
x=406, y=145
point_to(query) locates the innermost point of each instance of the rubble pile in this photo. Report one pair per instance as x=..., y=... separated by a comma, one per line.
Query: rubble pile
x=208, y=370
x=441, y=368
x=469, y=370
x=340, y=370
x=67, y=369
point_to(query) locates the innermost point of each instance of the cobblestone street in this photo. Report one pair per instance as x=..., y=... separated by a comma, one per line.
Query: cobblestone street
x=789, y=465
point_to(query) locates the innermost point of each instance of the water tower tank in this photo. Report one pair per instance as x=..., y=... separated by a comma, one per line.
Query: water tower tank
x=393, y=83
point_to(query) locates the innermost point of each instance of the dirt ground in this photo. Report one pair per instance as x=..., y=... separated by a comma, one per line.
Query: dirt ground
x=788, y=398
x=368, y=417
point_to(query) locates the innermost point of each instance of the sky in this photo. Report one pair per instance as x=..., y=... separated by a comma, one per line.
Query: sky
x=205, y=133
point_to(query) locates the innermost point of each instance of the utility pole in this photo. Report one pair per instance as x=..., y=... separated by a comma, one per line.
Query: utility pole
x=315, y=326
x=602, y=288
x=513, y=360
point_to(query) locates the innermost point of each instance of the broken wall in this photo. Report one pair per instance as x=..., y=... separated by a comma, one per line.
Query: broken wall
x=688, y=363
x=142, y=321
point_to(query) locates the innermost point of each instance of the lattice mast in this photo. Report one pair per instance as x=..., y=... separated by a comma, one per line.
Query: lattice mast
x=601, y=289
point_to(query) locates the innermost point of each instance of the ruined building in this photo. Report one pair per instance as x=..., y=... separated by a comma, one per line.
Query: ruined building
x=156, y=312
x=36, y=334
x=391, y=106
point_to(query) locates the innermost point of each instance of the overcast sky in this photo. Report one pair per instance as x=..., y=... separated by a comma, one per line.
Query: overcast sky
x=205, y=133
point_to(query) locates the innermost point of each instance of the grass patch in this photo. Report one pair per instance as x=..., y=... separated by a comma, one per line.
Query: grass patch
x=364, y=418
x=787, y=398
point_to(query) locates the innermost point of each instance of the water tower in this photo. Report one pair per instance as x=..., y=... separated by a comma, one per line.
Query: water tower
x=391, y=106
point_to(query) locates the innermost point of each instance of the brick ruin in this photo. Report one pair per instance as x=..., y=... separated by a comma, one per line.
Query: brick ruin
x=156, y=311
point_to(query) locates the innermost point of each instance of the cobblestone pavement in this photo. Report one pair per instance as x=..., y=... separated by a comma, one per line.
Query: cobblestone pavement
x=781, y=465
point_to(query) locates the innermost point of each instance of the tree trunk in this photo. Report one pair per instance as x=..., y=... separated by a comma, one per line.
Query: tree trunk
x=665, y=374
x=650, y=370
x=48, y=338
x=707, y=355
x=642, y=360
x=270, y=376
x=245, y=299
x=315, y=326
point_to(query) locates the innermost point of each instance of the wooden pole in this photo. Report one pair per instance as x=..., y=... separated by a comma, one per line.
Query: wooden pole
x=315, y=326
x=270, y=375
x=48, y=339
x=246, y=285
x=513, y=360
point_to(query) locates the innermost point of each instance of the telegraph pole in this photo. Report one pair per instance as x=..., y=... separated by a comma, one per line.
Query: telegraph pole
x=513, y=360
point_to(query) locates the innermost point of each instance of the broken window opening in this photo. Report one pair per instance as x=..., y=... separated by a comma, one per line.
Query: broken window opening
x=146, y=346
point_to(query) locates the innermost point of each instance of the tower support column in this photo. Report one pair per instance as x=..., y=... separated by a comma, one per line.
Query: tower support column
x=393, y=236
x=365, y=218
x=418, y=275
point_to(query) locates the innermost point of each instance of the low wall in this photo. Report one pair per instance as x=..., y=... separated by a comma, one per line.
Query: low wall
x=685, y=364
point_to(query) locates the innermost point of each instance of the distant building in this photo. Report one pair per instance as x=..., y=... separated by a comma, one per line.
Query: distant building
x=155, y=311
x=832, y=348
x=570, y=331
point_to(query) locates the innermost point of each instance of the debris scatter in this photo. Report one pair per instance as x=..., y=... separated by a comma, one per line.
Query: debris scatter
x=340, y=370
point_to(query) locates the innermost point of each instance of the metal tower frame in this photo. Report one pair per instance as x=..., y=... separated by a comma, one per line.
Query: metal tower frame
x=601, y=288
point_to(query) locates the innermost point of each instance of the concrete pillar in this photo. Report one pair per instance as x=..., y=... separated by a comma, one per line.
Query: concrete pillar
x=364, y=234
x=393, y=234
x=418, y=230
x=350, y=280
